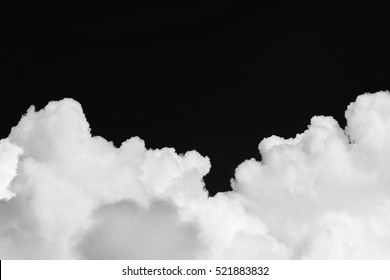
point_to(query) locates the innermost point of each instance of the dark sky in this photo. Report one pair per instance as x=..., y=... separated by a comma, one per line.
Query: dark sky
x=216, y=78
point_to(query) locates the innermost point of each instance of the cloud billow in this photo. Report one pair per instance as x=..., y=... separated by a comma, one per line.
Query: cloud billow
x=65, y=194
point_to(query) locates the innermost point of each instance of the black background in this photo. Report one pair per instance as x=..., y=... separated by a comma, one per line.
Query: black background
x=216, y=76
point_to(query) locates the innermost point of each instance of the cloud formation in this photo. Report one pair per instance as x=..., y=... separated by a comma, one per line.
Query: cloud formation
x=65, y=194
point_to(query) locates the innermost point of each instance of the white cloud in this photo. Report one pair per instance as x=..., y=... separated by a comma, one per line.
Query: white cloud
x=318, y=191
x=8, y=161
x=68, y=194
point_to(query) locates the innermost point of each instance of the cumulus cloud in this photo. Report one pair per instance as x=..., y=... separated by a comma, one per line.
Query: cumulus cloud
x=8, y=162
x=65, y=194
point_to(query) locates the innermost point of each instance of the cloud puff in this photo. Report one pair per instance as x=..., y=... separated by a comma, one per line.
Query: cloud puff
x=65, y=194
x=325, y=193
x=8, y=161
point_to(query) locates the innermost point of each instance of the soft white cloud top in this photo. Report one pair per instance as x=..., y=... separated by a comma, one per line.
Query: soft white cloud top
x=65, y=194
